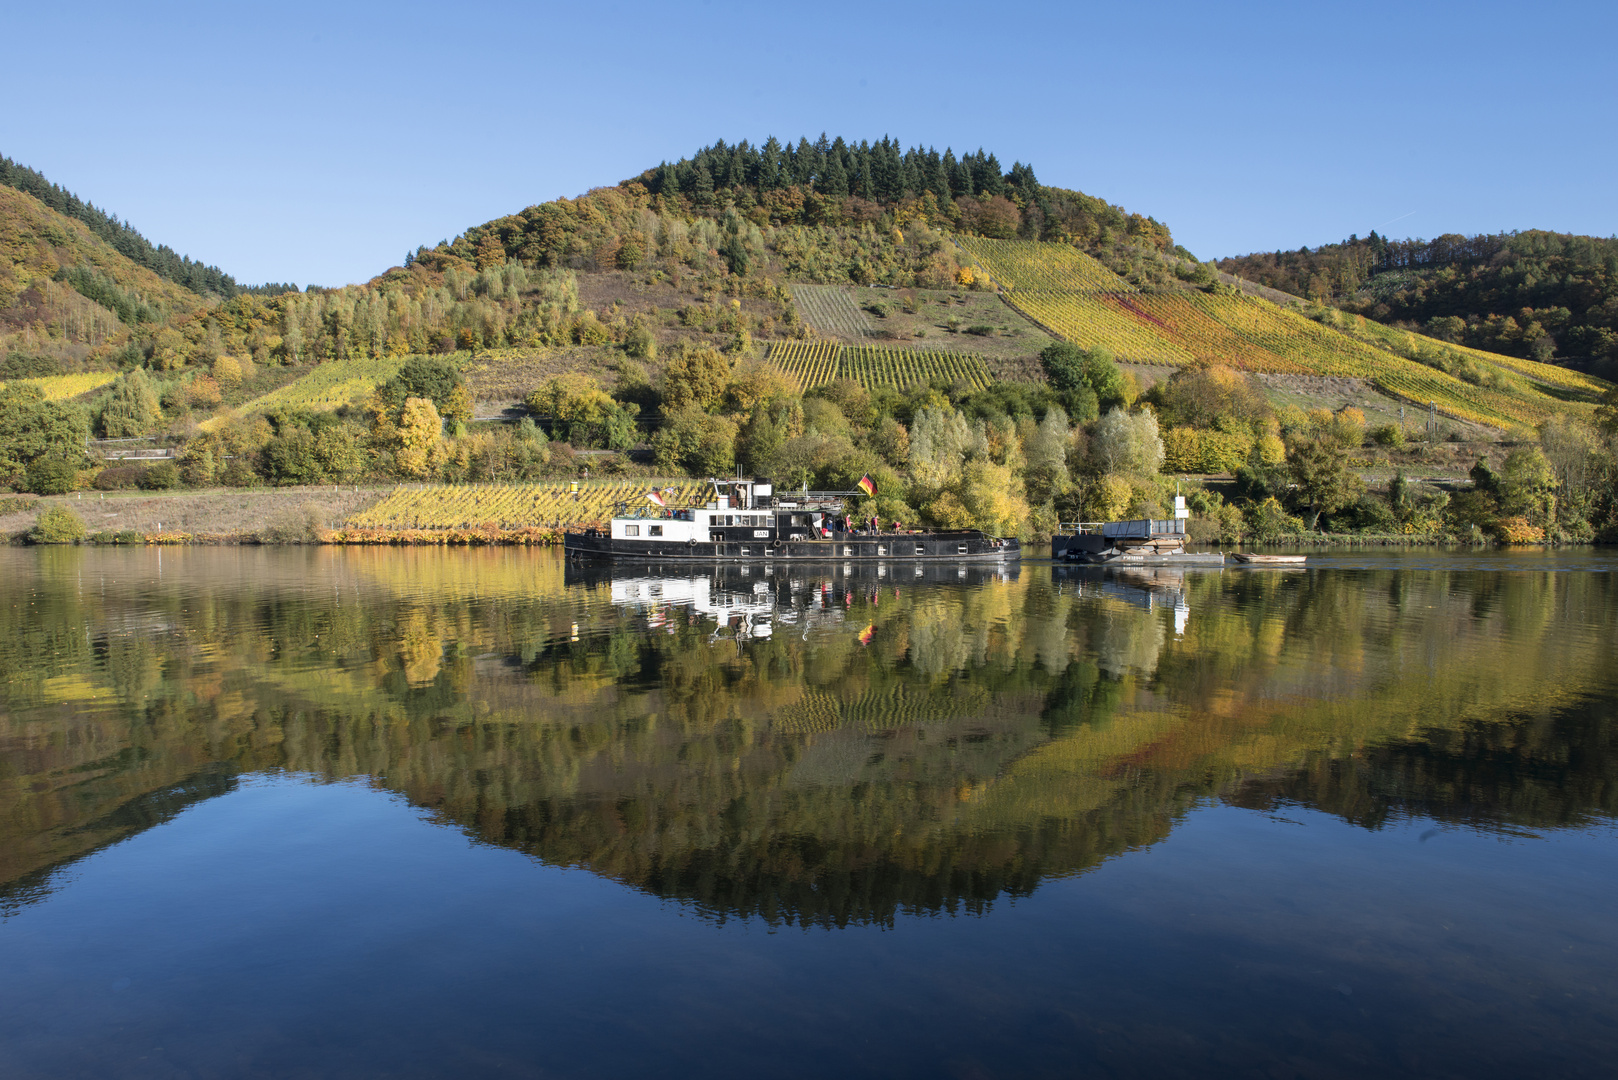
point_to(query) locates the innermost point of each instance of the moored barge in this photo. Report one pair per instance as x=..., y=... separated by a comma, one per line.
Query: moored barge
x=1143, y=542
x=745, y=520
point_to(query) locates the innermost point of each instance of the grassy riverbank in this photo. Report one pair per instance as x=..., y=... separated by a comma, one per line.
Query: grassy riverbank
x=483, y=515
x=217, y=515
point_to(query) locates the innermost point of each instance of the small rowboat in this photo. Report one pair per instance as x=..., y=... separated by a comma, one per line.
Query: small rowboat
x=1268, y=560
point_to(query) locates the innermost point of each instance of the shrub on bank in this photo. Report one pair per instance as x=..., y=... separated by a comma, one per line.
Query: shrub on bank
x=163, y=476
x=57, y=525
x=52, y=474
x=1517, y=530
x=301, y=526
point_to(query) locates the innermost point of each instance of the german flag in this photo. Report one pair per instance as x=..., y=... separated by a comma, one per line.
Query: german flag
x=867, y=485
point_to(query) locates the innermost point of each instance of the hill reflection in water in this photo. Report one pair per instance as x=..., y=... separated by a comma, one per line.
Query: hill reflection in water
x=826, y=746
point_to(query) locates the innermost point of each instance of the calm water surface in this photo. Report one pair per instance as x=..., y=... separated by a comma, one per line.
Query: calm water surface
x=425, y=813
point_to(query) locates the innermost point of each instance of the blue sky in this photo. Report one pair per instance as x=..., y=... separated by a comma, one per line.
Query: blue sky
x=316, y=143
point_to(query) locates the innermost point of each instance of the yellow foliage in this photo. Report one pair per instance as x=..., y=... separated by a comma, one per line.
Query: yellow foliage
x=62, y=387
x=993, y=495
x=203, y=393
x=458, y=403
x=1109, y=499
x=227, y=372
x=1517, y=530
x=421, y=438
x=752, y=382
x=948, y=512
x=1189, y=450
x=1271, y=450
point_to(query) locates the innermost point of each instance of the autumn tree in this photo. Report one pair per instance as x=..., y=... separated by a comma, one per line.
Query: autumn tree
x=1126, y=444
x=1527, y=482
x=696, y=442
x=695, y=375
x=33, y=430
x=227, y=372
x=420, y=449
x=1045, y=449
x=310, y=448
x=435, y=379
x=1318, y=462
x=1208, y=398
x=639, y=342
x=133, y=408
x=1089, y=379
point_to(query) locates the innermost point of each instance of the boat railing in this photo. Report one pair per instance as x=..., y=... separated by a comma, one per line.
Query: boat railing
x=834, y=501
x=1139, y=529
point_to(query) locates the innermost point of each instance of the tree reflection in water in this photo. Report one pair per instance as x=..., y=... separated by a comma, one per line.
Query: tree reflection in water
x=826, y=745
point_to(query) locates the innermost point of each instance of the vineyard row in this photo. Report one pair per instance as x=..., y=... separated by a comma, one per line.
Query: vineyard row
x=816, y=363
x=513, y=506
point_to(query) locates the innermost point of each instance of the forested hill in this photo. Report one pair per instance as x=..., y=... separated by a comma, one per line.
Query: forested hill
x=827, y=211
x=804, y=183
x=1542, y=295
x=162, y=260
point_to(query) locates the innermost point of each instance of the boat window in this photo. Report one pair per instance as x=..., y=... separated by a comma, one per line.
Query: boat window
x=655, y=530
x=631, y=530
x=961, y=550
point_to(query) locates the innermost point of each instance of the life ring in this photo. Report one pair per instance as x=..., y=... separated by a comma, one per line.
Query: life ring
x=776, y=543
x=691, y=541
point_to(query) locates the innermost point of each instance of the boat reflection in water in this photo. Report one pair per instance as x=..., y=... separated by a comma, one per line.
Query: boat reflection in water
x=1147, y=587
x=753, y=601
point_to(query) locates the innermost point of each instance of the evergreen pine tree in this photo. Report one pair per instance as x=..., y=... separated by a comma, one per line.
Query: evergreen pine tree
x=804, y=162
x=991, y=179
x=702, y=186
x=835, y=180
x=937, y=176
x=960, y=180
x=769, y=165
x=866, y=188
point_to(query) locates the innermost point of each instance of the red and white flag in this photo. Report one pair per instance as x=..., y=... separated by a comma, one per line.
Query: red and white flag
x=653, y=497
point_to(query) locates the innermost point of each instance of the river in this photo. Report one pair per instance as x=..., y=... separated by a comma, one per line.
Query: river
x=415, y=812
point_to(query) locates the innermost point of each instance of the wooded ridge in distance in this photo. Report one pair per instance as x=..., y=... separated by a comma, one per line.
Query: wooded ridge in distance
x=160, y=259
x=1541, y=295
